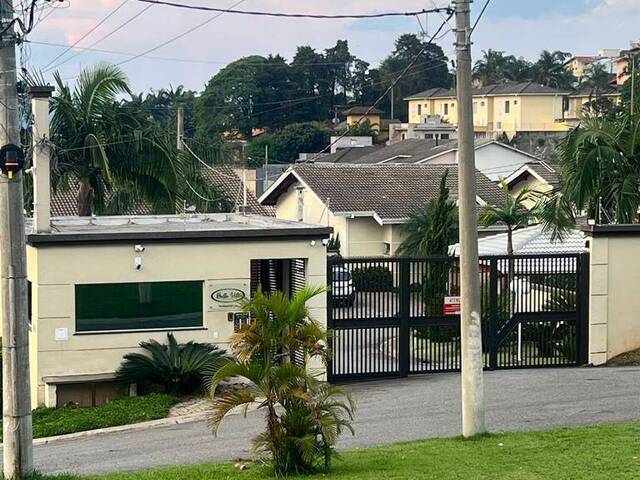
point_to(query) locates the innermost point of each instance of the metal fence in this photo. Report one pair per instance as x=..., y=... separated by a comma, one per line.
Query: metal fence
x=386, y=316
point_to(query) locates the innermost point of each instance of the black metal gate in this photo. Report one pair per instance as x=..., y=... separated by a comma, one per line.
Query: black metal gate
x=386, y=316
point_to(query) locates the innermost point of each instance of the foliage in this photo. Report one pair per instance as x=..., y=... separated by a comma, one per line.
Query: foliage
x=557, y=454
x=172, y=367
x=597, y=79
x=285, y=144
x=600, y=165
x=512, y=213
x=48, y=422
x=550, y=70
x=429, y=71
x=360, y=129
x=334, y=244
x=118, y=155
x=304, y=416
x=431, y=229
x=372, y=279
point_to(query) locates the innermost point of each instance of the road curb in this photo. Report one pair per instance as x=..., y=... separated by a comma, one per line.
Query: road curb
x=163, y=422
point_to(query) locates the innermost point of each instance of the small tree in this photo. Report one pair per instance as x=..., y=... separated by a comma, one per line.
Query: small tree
x=432, y=228
x=304, y=416
x=512, y=213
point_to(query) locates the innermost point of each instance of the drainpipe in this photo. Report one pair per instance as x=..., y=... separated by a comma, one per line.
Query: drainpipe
x=41, y=164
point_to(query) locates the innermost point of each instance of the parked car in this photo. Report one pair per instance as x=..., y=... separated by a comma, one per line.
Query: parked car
x=343, y=290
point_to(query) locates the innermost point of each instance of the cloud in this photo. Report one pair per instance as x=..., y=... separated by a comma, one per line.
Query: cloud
x=588, y=27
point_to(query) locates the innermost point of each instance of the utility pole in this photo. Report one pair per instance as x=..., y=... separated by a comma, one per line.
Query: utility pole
x=16, y=390
x=179, y=127
x=393, y=101
x=473, y=421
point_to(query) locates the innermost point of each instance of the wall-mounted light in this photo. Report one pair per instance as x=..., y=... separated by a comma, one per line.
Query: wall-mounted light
x=139, y=248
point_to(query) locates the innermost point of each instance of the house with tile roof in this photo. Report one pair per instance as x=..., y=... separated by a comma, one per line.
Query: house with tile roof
x=538, y=176
x=493, y=159
x=367, y=205
x=64, y=201
x=501, y=108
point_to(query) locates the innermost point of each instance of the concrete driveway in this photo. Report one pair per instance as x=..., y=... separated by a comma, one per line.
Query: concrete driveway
x=388, y=411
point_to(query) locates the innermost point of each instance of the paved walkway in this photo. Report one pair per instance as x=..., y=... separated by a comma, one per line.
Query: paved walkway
x=388, y=411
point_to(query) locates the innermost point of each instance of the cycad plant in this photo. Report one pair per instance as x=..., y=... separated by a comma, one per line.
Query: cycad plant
x=172, y=367
x=304, y=416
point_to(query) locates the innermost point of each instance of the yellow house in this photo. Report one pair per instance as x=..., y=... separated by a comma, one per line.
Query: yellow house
x=99, y=286
x=508, y=108
x=578, y=64
x=366, y=205
x=359, y=114
x=577, y=100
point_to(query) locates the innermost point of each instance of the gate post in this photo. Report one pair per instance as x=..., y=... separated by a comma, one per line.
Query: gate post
x=582, y=305
x=330, y=264
x=404, y=299
x=492, y=318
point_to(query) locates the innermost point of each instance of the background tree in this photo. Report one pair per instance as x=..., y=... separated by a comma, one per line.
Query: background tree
x=431, y=70
x=432, y=228
x=597, y=79
x=512, y=213
x=496, y=67
x=286, y=143
x=118, y=155
x=549, y=70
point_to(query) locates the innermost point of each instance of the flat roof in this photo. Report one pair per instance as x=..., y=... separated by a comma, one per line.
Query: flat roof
x=211, y=226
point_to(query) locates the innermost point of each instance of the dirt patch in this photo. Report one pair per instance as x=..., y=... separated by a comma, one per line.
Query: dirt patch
x=627, y=359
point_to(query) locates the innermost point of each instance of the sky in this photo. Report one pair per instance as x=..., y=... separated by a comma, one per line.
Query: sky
x=519, y=27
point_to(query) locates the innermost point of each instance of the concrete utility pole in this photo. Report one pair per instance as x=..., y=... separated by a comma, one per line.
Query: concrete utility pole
x=471, y=332
x=16, y=414
x=180, y=127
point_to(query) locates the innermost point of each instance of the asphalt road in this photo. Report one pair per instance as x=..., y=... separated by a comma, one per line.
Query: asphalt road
x=388, y=411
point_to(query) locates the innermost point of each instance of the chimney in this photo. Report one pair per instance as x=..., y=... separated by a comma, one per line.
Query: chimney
x=41, y=169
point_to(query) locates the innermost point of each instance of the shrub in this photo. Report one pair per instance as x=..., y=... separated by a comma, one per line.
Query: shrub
x=304, y=416
x=173, y=368
x=372, y=279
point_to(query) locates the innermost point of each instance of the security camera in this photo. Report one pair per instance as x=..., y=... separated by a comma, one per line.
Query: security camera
x=139, y=248
x=325, y=242
x=138, y=263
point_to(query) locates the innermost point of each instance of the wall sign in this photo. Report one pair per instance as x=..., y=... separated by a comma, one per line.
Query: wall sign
x=227, y=295
x=451, y=306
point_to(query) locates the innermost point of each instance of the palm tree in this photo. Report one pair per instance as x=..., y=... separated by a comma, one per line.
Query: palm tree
x=512, y=213
x=432, y=228
x=304, y=416
x=550, y=70
x=117, y=155
x=597, y=79
x=490, y=68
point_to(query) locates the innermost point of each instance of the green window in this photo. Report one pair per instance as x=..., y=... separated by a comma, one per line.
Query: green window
x=138, y=306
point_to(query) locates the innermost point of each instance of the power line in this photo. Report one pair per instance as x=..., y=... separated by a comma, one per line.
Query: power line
x=104, y=37
x=177, y=37
x=391, y=87
x=96, y=26
x=480, y=16
x=298, y=15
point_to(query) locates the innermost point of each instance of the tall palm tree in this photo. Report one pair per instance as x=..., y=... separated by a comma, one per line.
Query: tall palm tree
x=490, y=68
x=512, y=213
x=116, y=154
x=597, y=79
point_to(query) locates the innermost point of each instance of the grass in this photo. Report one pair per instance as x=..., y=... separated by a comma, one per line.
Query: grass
x=48, y=422
x=597, y=452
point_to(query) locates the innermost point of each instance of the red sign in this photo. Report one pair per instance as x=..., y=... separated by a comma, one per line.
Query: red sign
x=451, y=306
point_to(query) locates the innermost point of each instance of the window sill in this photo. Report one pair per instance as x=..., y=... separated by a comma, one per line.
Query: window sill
x=144, y=330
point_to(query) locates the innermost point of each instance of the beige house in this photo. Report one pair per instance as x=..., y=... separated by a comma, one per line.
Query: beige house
x=359, y=114
x=578, y=64
x=582, y=96
x=99, y=286
x=366, y=205
x=508, y=108
x=536, y=176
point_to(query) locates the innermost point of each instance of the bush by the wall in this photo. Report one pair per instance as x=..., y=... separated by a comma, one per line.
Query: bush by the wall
x=372, y=279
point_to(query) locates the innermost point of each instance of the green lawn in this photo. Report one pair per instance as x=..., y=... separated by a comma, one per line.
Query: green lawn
x=58, y=421
x=602, y=452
